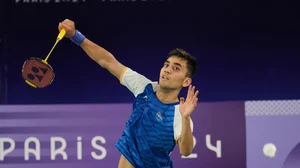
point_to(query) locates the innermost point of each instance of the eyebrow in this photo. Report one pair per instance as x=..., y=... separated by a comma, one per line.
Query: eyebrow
x=176, y=63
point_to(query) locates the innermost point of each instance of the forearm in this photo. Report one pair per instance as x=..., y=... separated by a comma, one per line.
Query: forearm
x=186, y=137
x=97, y=53
x=94, y=51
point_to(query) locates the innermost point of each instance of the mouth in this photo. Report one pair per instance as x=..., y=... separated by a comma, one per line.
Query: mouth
x=164, y=77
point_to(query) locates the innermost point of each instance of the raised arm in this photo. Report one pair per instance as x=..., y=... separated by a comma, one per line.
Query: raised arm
x=134, y=81
x=103, y=57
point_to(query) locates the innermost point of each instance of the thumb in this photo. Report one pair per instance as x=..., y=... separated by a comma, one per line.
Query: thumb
x=181, y=100
x=59, y=26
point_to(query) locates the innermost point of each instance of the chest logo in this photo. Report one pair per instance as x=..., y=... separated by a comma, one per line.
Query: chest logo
x=159, y=116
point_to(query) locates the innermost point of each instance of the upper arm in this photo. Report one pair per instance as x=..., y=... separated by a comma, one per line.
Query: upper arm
x=114, y=67
x=134, y=81
x=103, y=57
x=178, y=124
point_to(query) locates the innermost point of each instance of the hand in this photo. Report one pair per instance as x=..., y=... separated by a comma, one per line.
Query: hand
x=188, y=106
x=69, y=26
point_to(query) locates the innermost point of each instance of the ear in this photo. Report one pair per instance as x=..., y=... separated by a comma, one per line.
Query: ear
x=187, y=82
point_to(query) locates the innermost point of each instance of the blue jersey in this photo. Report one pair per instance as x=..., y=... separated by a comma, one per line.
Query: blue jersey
x=152, y=128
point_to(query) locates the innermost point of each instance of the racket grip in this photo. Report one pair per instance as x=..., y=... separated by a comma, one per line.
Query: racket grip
x=77, y=38
x=61, y=34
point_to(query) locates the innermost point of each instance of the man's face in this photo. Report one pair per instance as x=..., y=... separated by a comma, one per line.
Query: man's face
x=173, y=74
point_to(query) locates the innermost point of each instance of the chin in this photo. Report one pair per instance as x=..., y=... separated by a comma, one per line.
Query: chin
x=165, y=87
x=162, y=85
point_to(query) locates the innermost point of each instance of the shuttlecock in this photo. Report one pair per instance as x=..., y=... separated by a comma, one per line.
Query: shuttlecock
x=269, y=150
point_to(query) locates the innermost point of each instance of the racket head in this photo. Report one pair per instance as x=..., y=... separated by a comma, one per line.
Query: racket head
x=37, y=73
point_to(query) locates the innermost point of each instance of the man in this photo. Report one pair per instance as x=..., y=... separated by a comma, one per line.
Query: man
x=159, y=120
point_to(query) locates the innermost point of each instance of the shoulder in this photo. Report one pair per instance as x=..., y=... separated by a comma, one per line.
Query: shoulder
x=152, y=86
x=135, y=81
x=128, y=73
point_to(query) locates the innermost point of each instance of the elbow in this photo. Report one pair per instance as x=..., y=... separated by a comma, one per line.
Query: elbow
x=186, y=149
x=186, y=152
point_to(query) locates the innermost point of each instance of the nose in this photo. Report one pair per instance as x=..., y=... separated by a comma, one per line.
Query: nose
x=167, y=69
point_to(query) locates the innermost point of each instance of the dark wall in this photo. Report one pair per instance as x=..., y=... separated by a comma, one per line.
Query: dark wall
x=2, y=50
x=246, y=49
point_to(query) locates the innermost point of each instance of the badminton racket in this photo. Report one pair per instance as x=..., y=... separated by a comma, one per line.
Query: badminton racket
x=38, y=73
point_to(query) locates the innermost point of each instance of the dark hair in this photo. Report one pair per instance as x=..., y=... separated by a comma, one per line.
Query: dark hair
x=191, y=61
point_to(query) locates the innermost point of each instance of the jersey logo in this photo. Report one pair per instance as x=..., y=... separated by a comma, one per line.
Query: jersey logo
x=159, y=116
x=145, y=97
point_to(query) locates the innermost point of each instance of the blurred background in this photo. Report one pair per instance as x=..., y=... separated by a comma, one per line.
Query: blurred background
x=247, y=50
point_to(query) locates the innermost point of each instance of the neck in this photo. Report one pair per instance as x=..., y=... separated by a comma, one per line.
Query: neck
x=167, y=95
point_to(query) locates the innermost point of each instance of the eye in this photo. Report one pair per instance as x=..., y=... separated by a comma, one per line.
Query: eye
x=166, y=65
x=176, y=68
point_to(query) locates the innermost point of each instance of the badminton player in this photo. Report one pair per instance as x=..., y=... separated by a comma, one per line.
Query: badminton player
x=159, y=119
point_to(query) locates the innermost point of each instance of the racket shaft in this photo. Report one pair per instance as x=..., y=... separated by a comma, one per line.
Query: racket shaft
x=46, y=59
x=59, y=37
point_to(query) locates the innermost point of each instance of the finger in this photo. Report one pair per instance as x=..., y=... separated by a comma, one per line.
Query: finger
x=59, y=26
x=196, y=94
x=195, y=102
x=189, y=92
x=192, y=92
x=181, y=100
x=66, y=27
x=70, y=23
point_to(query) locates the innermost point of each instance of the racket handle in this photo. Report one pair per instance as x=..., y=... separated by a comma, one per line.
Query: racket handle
x=61, y=34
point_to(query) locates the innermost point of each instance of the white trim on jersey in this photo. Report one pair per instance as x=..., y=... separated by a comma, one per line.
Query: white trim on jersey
x=178, y=123
x=136, y=83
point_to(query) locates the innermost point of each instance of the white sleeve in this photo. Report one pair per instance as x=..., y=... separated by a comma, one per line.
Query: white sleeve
x=134, y=81
x=178, y=123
